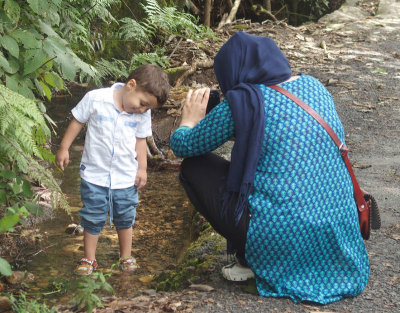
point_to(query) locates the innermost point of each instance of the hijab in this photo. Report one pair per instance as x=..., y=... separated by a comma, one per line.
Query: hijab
x=242, y=63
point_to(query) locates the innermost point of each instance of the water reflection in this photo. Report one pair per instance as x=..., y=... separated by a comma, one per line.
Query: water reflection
x=161, y=233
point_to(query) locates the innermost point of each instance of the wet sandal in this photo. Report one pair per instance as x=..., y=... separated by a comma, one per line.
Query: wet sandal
x=128, y=264
x=85, y=267
x=233, y=272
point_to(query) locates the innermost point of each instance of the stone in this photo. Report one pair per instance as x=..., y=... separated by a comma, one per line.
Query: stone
x=5, y=303
x=74, y=229
x=18, y=277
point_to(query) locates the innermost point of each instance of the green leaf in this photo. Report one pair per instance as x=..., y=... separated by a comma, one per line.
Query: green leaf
x=34, y=59
x=33, y=208
x=28, y=38
x=34, y=4
x=5, y=267
x=12, y=82
x=49, y=79
x=3, y=196
x=3, y=61
x=13, y=66
x=54, y=80
x=26, y=189
x=11, y=45
x=16, y=188
x=46, y=28
x=46, y=90
x=8, y=222
x=8, y=174
x=12, y=10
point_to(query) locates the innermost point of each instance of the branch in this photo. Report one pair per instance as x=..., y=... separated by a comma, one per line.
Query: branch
x=232, y=14
x=193, y=8
x=192, y=69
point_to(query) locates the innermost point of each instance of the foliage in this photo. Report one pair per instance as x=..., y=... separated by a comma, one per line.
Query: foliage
x=23, y=138
x=316, y=8
x=34, y=57
x=86, y=286
x=159, y=24
x=120, y=69
x=24, y=305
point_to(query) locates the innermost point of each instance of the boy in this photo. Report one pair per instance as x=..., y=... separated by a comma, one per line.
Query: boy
x=114, y=160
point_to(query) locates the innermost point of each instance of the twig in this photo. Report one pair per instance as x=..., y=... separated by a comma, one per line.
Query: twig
x=192, y=69
x=173, y=51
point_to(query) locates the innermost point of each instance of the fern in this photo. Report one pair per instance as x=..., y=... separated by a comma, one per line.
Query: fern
x=23, y=135
x=112, y=70
x=160, y=23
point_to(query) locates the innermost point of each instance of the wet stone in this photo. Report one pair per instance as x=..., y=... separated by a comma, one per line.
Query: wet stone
x=5, y=304
x=18, y=277
x=74, y=229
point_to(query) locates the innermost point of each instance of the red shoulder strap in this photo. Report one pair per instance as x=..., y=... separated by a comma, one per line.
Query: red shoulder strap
x=358, y=194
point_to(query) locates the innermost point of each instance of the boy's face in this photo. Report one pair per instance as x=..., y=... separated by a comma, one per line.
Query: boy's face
x=134, y=100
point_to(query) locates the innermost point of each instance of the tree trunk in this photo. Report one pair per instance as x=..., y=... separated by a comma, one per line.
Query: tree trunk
x=207, y=12
x=267, y=5
x=232, y=14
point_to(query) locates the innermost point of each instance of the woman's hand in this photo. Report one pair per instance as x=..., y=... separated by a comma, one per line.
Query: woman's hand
x=195, y=107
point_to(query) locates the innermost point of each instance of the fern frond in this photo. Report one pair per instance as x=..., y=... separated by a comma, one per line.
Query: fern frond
x=23, y=133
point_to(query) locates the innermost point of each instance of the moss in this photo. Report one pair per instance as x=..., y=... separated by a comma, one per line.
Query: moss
x=198, y=260
x=175, y=72
x=240, y=27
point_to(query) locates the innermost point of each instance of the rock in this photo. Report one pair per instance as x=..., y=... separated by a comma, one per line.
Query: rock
x=201, y=287
x=74, y=229
x=5, y=304
x=150, y=292
x=18, y=277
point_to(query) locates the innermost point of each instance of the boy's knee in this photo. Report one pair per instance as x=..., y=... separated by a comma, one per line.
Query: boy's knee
x=92, y=228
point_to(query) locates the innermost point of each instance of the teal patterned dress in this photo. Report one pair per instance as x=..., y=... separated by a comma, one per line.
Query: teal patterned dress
x=304, y=240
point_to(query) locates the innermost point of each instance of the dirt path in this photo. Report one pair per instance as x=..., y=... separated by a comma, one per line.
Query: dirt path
x=357, y=56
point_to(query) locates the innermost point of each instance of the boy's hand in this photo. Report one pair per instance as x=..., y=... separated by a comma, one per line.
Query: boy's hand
x=62, y=158
x=141, y=179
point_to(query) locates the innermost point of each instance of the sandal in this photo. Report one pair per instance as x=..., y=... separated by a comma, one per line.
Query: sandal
x=233, y=272
x=85, y=267
x=128, y=264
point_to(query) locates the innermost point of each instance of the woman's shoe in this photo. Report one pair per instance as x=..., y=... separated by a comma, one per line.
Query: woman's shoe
x=128, y=264
x=234, y=272
x=85, y=267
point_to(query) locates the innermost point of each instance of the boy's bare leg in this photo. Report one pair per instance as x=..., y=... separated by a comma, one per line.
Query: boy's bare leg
x=90, y=244
x=125, y=241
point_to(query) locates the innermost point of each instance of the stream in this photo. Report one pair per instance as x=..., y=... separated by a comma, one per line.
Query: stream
x=161, y=234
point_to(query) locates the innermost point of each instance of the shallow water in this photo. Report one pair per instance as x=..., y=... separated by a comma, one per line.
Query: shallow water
x=162, y=230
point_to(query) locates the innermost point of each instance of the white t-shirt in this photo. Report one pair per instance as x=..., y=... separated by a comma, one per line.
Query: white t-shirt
x=109, y=155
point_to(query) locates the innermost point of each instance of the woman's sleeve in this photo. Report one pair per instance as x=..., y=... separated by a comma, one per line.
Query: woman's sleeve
x=210, y=133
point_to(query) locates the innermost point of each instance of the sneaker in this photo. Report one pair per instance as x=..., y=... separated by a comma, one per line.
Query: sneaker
x=85, y=267
x=234, y=272
x=128, y=264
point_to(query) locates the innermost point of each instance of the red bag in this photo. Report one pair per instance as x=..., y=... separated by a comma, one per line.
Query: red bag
x=368, y=212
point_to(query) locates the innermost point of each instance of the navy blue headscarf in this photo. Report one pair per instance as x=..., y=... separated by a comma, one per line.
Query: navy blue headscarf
x=242, y=63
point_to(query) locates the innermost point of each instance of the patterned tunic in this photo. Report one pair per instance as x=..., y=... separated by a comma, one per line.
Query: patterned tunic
x=304, y=240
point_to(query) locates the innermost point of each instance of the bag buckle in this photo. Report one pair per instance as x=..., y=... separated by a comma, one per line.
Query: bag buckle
x=343, y=149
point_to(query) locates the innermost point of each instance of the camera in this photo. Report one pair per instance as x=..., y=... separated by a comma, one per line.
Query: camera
x=214, y=99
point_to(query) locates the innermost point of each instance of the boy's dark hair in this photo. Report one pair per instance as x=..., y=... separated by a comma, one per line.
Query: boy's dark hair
x=153, y=80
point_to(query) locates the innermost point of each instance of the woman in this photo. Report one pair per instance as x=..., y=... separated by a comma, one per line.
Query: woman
x=285, y=201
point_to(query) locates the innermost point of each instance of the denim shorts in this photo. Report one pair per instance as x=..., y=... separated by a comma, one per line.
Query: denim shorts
x=98, y=201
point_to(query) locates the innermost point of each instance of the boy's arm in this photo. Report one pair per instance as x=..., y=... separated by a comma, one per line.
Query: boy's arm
x=62, y=157
x=141, y=157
